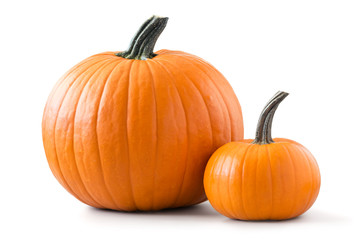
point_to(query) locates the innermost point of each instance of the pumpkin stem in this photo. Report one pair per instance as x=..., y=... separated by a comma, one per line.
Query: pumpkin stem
x=143, y=43
x=263, y=129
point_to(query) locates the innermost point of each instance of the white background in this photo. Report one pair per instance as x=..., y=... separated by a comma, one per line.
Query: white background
x=310, y=49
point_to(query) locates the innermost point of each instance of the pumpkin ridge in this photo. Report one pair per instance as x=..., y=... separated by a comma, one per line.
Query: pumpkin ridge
x=86, y=80
x=242, y=166
x=202, y=97
x=156, y=131
x=208, y=113
x=229, y=181
x=57, y=168
x=214, y=159
x=64, y=77
x=242, y=181
x=56, y=121
x=118, y=179
x=229, y=118
x=256, y=187
x=312, y=177
x=127, y=134
x=62, y=82
x=96, y=131
x=272, y=185
x=232, y=121
x=313, y=163
x=218, y=187
x=187, y=131
x=295, y=185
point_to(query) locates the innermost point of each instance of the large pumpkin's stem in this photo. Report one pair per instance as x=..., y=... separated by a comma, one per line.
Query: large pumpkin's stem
x=263, y=129
x=143, y=43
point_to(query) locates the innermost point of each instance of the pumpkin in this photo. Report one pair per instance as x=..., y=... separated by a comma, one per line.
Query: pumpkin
x=133, y=130
x=264, y=178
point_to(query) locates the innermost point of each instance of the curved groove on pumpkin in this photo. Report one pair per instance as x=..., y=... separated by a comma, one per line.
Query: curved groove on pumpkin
x=92, y=199
x=271, y=183
x=86, y=80
x=312, y=180
x=127, y=135
x=214, y=187
x=157, y=137
x=290, y=157
x=208, y=113
x=233, y=130
x=221, y=165
x=229, y=182
x=242, y=182
x=216, y=87
x=241, y=198
x=187, y=131
x=317, y=176
x=96, y=132
x=195, y=198
x=56, y=169
x=255, y=184
x=64, y=78
x=205, y=104
x=220, y=94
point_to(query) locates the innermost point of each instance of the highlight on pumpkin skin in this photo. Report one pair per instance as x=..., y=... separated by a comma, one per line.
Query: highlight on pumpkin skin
x=262, y=178
x=132, y=132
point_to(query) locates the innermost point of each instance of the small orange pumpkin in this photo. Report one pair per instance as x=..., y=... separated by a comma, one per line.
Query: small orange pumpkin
x=262, y=179
x=134, y=130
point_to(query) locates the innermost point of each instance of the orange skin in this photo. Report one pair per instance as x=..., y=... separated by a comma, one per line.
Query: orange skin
x=275, y=181
x=133, y=135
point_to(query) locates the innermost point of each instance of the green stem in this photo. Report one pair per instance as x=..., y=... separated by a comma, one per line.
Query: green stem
x=143, y=43
x=263, y=129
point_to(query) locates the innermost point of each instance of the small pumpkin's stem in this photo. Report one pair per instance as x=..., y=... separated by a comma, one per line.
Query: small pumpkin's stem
x=143, y=43
x=263, y=129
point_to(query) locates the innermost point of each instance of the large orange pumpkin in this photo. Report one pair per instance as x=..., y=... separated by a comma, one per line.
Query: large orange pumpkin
x=265, y=178
x=134, y=130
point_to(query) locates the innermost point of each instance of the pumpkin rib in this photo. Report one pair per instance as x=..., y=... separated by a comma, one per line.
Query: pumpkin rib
x=56, y=169
x=271, y=183
x=241, y=162
x=216, y=187
x=127, y=134
x=187, y=131
x=256, y=188
x=318, y=179
x=242, y=182
x=219, y=190
x=312, y=180
x=314, y=164
x=92, y=199
x=301, y=209
x=62, y=80
x=96, y=131
x=209, y=190
x=87, y=80
x=112, y=137
x=213, y=187
x=200, y=61
x=156, y=132
x=233, y=130
x=202, y=97
x=290, y=157
x=208, y=114
x=229, y=183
